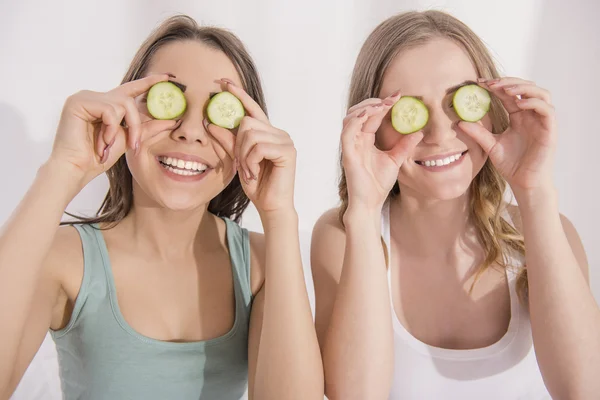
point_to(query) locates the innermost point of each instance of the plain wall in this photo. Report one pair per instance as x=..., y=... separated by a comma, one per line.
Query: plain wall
x=305, y=51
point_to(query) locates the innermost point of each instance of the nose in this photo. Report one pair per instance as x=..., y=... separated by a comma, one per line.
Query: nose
x=440, y=127
x=191, y=129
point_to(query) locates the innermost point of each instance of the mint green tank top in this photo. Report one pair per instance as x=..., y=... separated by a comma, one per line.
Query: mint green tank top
x=102, y=357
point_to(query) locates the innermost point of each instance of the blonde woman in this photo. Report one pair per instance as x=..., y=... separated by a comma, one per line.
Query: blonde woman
x=465, y=286
x=163, y=295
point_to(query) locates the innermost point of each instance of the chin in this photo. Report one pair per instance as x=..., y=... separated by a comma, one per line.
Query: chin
x=434, y=190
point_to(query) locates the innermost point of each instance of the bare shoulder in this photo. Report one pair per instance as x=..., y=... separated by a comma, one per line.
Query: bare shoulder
x=257, y=261
x=570, y=233
x=327, y=246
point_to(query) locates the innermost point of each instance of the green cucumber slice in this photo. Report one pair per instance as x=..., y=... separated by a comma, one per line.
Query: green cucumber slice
x=409, y=115
x=225, y=110
x=166, y=101
x=471, y=103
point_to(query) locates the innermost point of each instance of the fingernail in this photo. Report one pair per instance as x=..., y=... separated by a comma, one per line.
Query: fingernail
x=389, y=102
x=509, y=88
x=205, y=123
x=137, y=147
x=362, y=114
x=395, y=94
x=493, y=81
x=228, y=81
x=480, y=80
x=104, y=155
x=248, y=176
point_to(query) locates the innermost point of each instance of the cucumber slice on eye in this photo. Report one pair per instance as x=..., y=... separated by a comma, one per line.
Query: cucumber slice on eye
x=409, y=115
x=166, y=101
x=471, y=102
x=225, y=110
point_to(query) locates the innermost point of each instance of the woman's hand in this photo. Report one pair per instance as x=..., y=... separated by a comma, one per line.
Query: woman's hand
x=371, y=173
x=90, y=137
x=523, y=153
x=265, y=156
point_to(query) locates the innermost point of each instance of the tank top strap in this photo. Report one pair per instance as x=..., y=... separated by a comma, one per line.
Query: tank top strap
x=94, y=276
x=238, y=241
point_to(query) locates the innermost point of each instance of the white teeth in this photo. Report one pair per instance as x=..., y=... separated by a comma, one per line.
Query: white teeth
x=181, y=165
x=442, y=162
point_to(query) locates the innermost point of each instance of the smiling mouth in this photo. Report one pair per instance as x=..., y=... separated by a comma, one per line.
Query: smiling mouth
x=442, y=161
x=182, y=167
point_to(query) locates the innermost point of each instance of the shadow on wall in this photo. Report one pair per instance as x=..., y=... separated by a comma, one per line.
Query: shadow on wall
x=566, y=60
x=21, y=155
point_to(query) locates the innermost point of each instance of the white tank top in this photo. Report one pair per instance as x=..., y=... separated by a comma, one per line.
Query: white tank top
x=505, y=370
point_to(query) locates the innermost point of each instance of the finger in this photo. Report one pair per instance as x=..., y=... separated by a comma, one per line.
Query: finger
x=223, y=136
x=252, y=138
x=99, y=144
x=371, y=110
x=538, y=105
x=133, y=121
x=486, y=139
x=352, y=129
x=140, y=86
x=111, y=122
x=153, y=127
x=363, y=104
x=249, y=123
x=277, y=154
x=506, y=81
x=528, y=91
x=250, y=105
x=405, y=146
x=507, y=100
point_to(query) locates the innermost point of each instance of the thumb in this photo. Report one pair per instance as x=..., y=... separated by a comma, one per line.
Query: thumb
x=223, y=136
x=480, y=134
x=154, y=127
x=404, y=147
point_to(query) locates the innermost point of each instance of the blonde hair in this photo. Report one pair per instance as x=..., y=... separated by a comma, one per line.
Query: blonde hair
x=411, y=29
x=232, y=201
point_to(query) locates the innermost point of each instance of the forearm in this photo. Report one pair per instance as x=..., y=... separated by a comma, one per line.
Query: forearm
x=565, y=318
x=25, y=240
x=358, y=346
x=289, y=362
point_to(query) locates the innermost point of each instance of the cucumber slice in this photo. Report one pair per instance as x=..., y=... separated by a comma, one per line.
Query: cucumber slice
x=409, y=115
x=225, y=110
x=166, y=101
x=471, y=102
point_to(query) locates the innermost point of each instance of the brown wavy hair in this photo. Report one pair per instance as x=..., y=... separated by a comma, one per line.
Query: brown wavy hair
x=408, y=30
x=232, y=201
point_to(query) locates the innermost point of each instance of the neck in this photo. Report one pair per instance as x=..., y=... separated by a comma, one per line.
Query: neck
x=430, y=227
x=166, y=234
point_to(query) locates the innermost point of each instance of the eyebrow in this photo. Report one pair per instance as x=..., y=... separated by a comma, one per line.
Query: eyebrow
x=453, y=88
x=179, y=85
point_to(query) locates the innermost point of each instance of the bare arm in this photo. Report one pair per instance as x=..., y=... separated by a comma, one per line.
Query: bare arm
x=353, y=317
x=565, y=318
x=29, y=285
x=285, y=362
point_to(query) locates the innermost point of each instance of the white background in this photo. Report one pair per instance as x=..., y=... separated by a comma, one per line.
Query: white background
x=305, y=52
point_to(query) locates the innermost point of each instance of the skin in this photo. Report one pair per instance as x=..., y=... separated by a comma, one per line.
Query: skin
x=431, y=268
x=187, y=297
